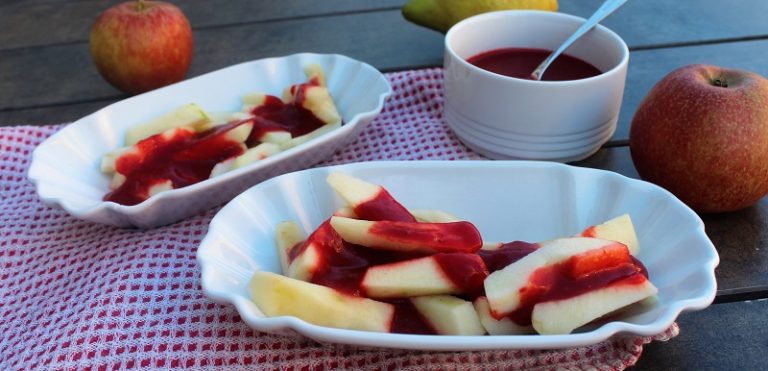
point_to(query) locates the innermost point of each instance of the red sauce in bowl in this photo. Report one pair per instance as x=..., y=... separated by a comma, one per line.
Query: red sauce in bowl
x=520, y=63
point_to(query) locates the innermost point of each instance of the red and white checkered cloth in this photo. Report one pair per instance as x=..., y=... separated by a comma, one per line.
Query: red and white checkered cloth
x=78, y=295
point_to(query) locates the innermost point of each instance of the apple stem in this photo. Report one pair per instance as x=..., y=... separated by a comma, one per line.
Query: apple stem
x=720, y=82
x=140, y=5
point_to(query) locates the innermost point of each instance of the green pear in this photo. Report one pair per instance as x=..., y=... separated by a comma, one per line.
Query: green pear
x=441, y=15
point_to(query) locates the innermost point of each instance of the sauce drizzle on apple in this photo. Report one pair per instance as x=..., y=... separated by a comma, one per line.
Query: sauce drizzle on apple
x=185, y=158
x=275, y=115
x=578, y=275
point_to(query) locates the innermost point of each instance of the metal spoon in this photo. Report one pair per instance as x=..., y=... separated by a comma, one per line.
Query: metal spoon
x=608, y=7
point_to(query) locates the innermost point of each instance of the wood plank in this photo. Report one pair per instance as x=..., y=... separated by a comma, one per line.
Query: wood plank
x=739, y=237
x=38, y=78
x=730, y=336
x=642, y=24
x=647, y=67
x=650, y=23
x=72, y=20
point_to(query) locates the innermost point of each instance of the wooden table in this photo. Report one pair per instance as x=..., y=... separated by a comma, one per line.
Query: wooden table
x=46, y=77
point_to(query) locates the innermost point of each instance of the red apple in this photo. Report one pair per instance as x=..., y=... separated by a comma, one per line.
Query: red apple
x=702, y=133
x=141, y=45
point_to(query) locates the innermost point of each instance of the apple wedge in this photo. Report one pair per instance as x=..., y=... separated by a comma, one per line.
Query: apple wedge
x=409, y=236
x=301, y=139
x=251, y=100
x=109, y=159
x=277, y=295
x=308, y=257
x=288, y=234
x=345, y=212
x=314, y=98
x=618, y=229
x=433, y=216
x=455, y=273
x=315, y=74
x=449, y=315
x=493, y=326
x=369, y=201
x=255, y=154
x=180, y=156
x=500, y=255
x=190, y=115
x=558, y=269
x=564, y=316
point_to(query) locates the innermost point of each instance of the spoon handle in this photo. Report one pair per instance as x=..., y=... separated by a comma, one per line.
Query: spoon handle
x=608, y=7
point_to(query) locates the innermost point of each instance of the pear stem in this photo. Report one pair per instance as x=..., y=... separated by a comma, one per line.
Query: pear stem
x=140, y=5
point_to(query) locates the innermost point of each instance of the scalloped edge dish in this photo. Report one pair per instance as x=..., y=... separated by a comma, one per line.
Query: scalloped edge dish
x=65, y=168
x=506, y=200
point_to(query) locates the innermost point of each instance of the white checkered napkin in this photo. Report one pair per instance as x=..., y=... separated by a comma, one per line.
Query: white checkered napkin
x=76, y=295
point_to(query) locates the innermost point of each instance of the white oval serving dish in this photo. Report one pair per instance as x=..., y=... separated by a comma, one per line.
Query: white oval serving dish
x=65, y=168
x=506, y=200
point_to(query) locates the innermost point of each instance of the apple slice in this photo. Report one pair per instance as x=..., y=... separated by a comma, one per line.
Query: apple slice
x=493, y=326
x=566, y=265
x=409, y=236
x=455, y=273
x=276, y=137
x=307, y=258
x=618, y=229
x=252, y=100
x=345, y=212
x=179, y=155
x=109, y=159
x=369, y=201
x=255, y=154
x=498, y=256
x=277, y=295
x=190, y=115
x=564, y=316
x=421, y=215
x=314, y=98
x=288, y=235
x=301, y=139
x=315, y=74
x=433, y=216
x=449, y=315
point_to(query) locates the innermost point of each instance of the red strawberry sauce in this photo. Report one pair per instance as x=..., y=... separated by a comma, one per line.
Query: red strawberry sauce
x=520, y=63
x=274, y=115
x=185, y=158
x=577, y=275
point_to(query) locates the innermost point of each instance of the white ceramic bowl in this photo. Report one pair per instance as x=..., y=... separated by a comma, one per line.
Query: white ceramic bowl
x=506, y=200
x=65, y=168
x=542, y=113
x=498, y=147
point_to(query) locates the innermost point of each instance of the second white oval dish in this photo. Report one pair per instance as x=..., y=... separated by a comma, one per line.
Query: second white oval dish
x=65, y=168
x=506, y=200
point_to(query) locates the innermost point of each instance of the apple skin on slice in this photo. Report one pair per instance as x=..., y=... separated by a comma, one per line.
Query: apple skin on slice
x=493, y=326
x=506, y=289
x=277, y=295
x=409, y=236
x=369, y=201
x=449, y=315
x=564, y=316
x=455, y=273
x=618, y=229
